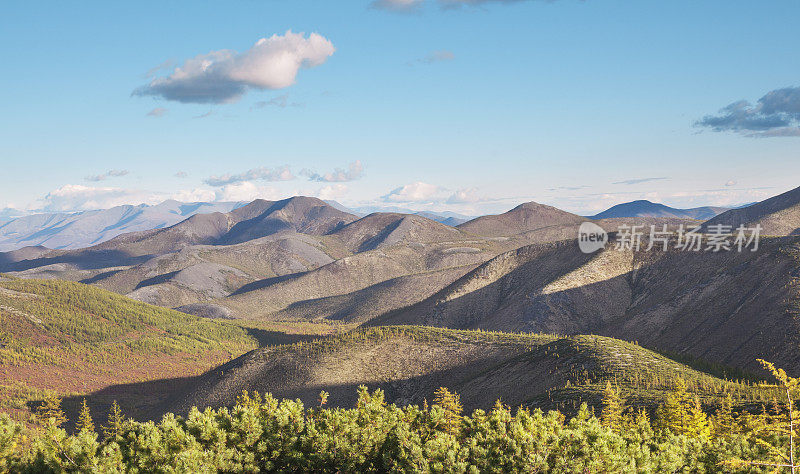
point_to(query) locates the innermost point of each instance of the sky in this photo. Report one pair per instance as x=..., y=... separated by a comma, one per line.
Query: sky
x=472, y=106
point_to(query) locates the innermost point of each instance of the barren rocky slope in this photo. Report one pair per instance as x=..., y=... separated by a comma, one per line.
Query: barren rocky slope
x=726, y=307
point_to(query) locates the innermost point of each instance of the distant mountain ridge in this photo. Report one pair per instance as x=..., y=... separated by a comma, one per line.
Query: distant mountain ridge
x=644, y=208
x=83, y=229
x=779, y=215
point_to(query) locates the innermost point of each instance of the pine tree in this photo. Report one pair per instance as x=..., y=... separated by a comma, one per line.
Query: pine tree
x=51, y=410
x=85, y=422
x=613, y=407
x=115, y=422
x=451, y=404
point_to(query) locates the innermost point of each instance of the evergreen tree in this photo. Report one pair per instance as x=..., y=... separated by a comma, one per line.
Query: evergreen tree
x=85, y=422
x=451, y=404
x=697, y=424
x=613, y=407
x=51, y=410
x=115, y=423
x=673, y=414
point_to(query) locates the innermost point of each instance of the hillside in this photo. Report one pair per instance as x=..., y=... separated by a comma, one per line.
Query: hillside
x=643, y=208
x=704, y=304
x=528, y=217
x=409, y=363
x=68, y=337
x=82, y=229
x=779, y=215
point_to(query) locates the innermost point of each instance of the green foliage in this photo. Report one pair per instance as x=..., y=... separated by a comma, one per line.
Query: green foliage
x=263, y=434
x=85, y=422
x=50, y=412
x=115, y=423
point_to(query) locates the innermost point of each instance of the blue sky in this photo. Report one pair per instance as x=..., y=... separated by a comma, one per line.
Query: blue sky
x=468, y=106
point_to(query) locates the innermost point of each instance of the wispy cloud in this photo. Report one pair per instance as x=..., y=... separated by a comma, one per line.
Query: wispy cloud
x=181, y=174
x=224, y=76
x=354, y=171
x=157, y=112
x=439, y=56
x=776, y=114
x=403, y=6
x=414, y=192
x=281, y=101
x=106, y=175
x=264, y=174
x=639, y=180
x=205, y=115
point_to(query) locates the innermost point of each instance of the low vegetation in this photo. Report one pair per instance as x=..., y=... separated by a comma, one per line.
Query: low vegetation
x=67, y=338
x=260, y=434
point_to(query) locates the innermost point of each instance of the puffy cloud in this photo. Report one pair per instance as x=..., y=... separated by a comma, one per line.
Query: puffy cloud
x=639, y=180
x=414, y=192
x=437, y=57
x=730, y=183
x=106, y=175
x=264, y=174
x=75, y=197
x=776, y=114
x=397, y=5
x=464, y=196
x=224, y=76
x=332, y=191
x=157, y=112
x=246, y=191
x=353, y=172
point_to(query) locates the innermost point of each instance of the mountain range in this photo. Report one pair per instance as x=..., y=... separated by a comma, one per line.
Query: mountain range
x=643, y=208
x=303, y=263
x=82, y=229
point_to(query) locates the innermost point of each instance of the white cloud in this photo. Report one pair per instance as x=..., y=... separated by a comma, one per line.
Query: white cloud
x=181, y=174
x=414, y=192
x=246, y=191
x=106, y=175
x=264, y=174
x=75, y=197
x=730, y=183
x=353, y=172
x=464, y=196
x=333, y=191
x=223, y=76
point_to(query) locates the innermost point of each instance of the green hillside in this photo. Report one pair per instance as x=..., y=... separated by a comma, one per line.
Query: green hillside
x=73, y=338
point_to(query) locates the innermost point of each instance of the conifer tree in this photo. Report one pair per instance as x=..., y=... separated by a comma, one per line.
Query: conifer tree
x=451, y=404
x=85, y=422
x=613, y=407
x=51, y=409
x=115, y=423
x=673, y=413
x=697, y=422
x=725, y=424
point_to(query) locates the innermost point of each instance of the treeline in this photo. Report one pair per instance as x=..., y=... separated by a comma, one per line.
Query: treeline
x=263, y=434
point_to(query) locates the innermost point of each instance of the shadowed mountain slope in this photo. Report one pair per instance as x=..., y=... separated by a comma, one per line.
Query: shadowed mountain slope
x=645, y=208
x=727, y=307
x=410, y=363
x=779, y=215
